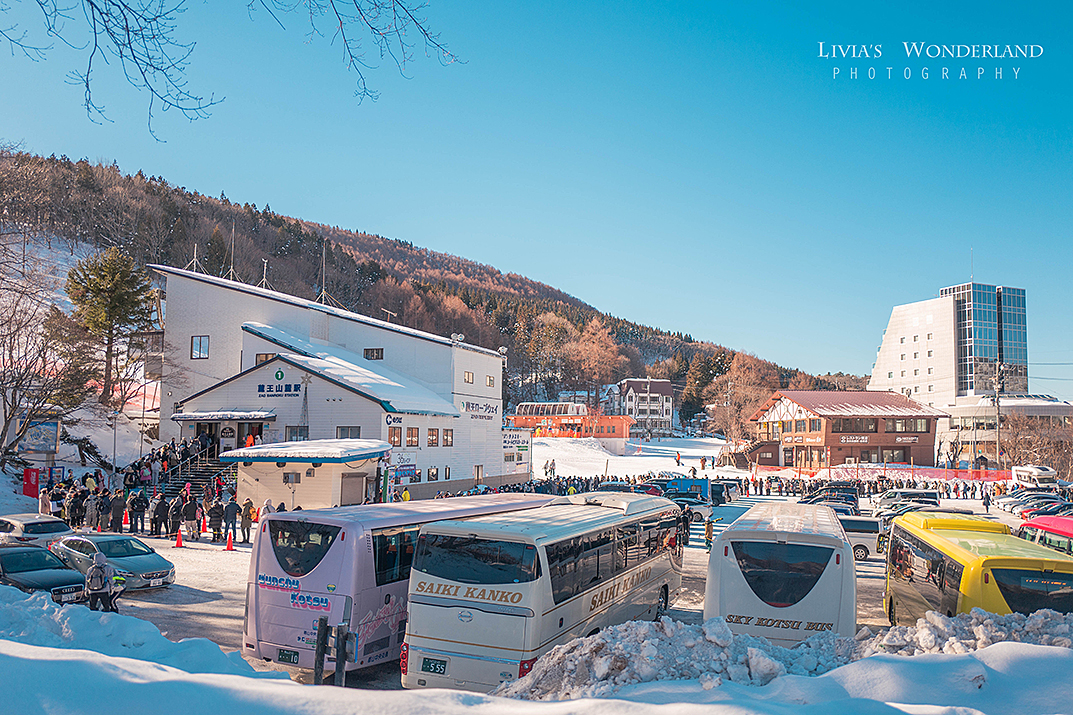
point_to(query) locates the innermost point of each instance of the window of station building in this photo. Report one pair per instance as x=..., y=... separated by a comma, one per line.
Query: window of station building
x=917, y=425
x=931, y=370
x=412, y=434
x=903, y=373
x=854, y=424
x=448, y=440
x=929, y=336
x=433, y=474
x=263, y=357
x=415, y=478
x=490, y=381
x=394, y=436
x=297, y=433
x=374, y=353
x=199, y=347
x=433, y=437
x=815, y=425
x=799, y=425
x=446, y=472
x=348, y=432
x=930, y=387
x=916, y=372
x=916, y=388
x=508, y=457
x=467, y=377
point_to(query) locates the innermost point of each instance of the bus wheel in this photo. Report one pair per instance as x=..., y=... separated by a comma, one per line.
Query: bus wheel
x=661, y=607
x=593, y=632
x=860, y=552
x=890, y=613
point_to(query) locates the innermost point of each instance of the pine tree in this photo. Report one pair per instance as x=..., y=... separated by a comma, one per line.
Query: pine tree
x=216, y=253
x=112, y=298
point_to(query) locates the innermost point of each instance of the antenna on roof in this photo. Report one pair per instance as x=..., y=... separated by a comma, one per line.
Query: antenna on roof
x=324, y=298
x=231, y=275
x=195, y=265
x=264, y=276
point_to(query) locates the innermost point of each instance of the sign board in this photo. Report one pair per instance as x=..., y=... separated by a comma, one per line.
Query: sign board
x=43, y=436
x=30, y=481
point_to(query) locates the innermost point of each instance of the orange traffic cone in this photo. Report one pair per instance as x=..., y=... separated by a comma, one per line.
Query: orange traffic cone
x=230, y=543
x=179, y=538
x=204, y=527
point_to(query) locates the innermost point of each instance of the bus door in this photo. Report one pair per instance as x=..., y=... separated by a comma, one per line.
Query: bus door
x=381, y=612
x=300, y=577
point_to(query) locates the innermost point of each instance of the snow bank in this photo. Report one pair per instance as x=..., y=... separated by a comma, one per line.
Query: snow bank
x=643, y=652
x=36, y=620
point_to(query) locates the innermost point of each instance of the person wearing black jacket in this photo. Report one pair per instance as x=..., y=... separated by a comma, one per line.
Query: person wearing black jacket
x=190, y=514
x=231, y=510
x=215, y=514
x=118, y=507
x=136, y=506
x=175, y=515
x=104, y=510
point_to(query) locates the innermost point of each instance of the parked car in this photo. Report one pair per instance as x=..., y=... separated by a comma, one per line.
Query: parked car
x=863, y=534
x=841, y=508
x=1047, y=509
x=700, y=508
x=32, y=529
x=33, y=568
x=135, y=562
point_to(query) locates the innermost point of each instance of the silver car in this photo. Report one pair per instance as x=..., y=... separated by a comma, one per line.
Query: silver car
x=32, y=529
x=139, y=565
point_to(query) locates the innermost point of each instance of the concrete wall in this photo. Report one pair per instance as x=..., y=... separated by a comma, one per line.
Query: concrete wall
x=905, y=349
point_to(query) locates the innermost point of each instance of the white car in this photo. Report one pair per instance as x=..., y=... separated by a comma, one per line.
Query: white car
x=32, y=529
x=701, y=509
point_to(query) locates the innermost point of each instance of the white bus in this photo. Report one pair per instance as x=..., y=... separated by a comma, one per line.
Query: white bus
x=350, y=564
x=490, y=595
x=783, y=571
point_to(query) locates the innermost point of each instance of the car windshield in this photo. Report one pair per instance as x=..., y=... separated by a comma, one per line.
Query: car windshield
x=118, y=548
x=45, y=527
x=23, y=561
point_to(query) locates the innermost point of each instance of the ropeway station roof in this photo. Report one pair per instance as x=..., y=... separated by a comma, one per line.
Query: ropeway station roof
x=329, y=451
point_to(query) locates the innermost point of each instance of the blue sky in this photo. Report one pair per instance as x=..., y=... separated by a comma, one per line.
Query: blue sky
x=693, y=166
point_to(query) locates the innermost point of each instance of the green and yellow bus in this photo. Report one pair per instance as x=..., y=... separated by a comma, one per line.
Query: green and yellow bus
x=952, y=563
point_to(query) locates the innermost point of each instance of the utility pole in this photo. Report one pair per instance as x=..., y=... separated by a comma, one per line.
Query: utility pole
x=998, y=413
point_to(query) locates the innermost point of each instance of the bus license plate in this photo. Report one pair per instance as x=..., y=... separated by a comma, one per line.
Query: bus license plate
x=431, y=665
x=288, y=656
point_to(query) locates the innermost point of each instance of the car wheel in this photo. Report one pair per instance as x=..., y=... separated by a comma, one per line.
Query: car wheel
x=860, y=553
x=697, y=517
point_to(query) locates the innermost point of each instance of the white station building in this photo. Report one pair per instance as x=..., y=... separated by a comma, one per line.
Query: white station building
x=242, y=360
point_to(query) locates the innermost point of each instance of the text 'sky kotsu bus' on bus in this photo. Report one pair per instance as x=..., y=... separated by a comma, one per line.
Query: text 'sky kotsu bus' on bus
x=490, y=595
x=783, y=571
x=350, y=564
x=952, y=563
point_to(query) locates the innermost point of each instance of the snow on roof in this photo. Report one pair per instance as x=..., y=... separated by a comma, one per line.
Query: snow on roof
x=857, y=403
x=312, y=305
x=216, y=415
x=392, y=390
x=332, y=451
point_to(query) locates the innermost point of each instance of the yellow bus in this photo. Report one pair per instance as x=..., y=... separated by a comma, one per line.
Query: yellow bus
x=952, y=563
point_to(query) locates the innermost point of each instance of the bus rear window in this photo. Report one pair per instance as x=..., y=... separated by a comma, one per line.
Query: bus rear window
x=1029, y=591
x=468, y=559
x=300, y=545
x=780, y=574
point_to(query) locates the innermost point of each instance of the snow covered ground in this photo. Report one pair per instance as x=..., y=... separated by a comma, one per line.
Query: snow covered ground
x=587, y=457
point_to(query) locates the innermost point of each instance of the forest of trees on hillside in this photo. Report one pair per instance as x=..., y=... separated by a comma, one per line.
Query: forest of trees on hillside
x=554, y=341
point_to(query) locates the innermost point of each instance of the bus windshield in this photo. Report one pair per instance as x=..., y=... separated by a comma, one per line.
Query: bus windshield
x=781, y=574
x=1028, y=591
x=300, y=545
x=468, y=559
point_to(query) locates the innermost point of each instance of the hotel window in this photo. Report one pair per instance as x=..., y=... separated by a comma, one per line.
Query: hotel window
x=348, y=432
x=815, y=425
x=199, y=347
x=903, y=373
x=299, y=433
x=433, y=474
x=467, y=377
x=916, y=338
x=903, y=356
x=916, y=356
x=394, y=436
x=263, y=357
x=433, y=437
x=890, y=375
x=916, y=372
x=490, y=381
x=412, y=433
x=415, y=478
x=799, y=425
x=448, y=441
x=930, y=387
x=902, y=341
x=931, y=370
x=916, y=388
x=929, y=336
x=374, y=353
x=930, y=353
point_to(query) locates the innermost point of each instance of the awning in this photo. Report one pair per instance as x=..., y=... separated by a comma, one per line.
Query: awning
x=331, y=451
x=225, y=415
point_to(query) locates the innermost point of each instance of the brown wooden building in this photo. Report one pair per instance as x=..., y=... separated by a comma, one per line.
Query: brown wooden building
x=811, y=429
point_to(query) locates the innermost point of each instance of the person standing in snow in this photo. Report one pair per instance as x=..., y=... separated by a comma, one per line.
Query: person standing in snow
x=100, y=584
x=987, y=502
x=118, y=506
x=215, y=514
x=231, y=511
x=247, y=519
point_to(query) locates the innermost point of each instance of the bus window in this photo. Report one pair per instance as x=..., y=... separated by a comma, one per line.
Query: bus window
x=1028, y=533
x=469, y=559
x=595, y=562
x=393, y=553
x=563, y=565
x=300, y=546
x=1055, y=541
x=1028, y=591
x=780, y=574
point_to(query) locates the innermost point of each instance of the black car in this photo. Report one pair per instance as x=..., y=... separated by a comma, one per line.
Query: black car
x=32, y=568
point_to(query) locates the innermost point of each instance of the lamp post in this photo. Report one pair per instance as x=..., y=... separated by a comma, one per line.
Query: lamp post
x=115, y=424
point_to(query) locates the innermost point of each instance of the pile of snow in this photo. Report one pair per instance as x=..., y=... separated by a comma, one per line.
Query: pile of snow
x=34, y=619
x=666, y=650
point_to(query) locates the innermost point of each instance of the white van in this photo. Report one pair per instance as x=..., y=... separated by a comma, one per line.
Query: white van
x=863, y=534
x=783, y=571
x=924, y=496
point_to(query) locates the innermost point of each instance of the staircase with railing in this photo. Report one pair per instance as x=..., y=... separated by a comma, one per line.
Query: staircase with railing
x=197, y=471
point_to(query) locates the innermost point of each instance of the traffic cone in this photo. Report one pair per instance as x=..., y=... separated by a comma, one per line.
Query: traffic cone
x=230, y=543
x=204, y=527
x=179, y=538
x=126, y=521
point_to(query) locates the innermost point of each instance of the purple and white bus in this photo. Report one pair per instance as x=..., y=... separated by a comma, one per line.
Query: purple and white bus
x=351, y=564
